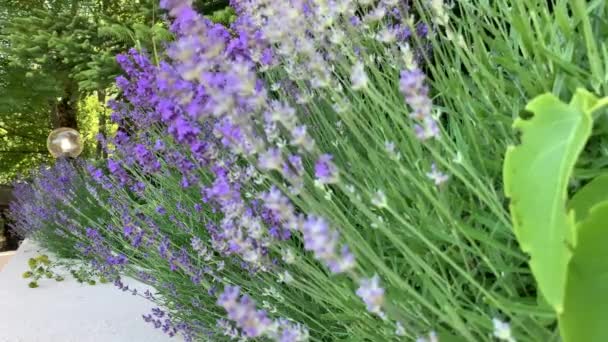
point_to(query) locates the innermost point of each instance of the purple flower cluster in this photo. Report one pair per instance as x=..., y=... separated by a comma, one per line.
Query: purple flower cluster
x=242, y=310
x=26, y=211
x=203, y=101
x=163, y=321
x=326, y=171
x=417, y=97
x=323, y=242
x=255, y=323
x=195, y=117
x=38, y=204
x=203, y=121
x=210, y=100
x=54, y=204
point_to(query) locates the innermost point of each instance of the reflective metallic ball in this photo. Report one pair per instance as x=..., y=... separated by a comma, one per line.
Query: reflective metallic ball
x=64, y=142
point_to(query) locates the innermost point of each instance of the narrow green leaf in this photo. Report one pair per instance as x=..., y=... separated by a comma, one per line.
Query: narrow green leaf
x=536, y=175
x=562, y=18
x=586, y=298
x=581, y=12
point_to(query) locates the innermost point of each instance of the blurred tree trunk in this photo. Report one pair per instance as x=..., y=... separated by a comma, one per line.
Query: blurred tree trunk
x=64, y=113
x=74, y=8
x=207, y=7
x=101, y=97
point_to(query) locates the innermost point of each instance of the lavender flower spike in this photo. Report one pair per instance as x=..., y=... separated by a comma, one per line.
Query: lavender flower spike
x=502, y=330
x=323, y=242
x=416, y=95
x=372, y=295
x=358, y=77
x=325, y=170
x=254, y=323
x=437, y=176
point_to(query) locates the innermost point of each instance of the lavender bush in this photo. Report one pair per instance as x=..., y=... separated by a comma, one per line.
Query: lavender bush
x=289, y=178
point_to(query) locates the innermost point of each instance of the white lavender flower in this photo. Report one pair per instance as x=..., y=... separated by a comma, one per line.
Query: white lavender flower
x=437, y=176
x=390, y=148
x=432, y=337
x=387, y=35
x=227, y=329
x=337, y=36
x=372, y=294
x=399, y=329
x=288, y=256
x=379, y=199
x=365, y=2
x=358, y=77
x=285, y=277
x=270, y=160
x=343, y=263
x=502, y=330
x=376, y=14
x=440, y=15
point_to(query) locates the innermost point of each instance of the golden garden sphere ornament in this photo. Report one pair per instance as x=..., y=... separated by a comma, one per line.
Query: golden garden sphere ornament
x=64, y=142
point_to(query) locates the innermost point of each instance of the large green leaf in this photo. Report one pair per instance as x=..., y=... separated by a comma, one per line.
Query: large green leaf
x=588, y=196
x=536, y=175
x=586, y=297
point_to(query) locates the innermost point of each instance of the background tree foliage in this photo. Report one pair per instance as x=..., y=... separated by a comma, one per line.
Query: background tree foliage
x=58, y=65
x=54, y=54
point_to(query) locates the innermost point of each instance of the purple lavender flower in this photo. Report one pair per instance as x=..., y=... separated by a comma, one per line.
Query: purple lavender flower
x=168, y=325
x=412, y=86
x=293, y=170
x=342, y=263
x=117, y=260
x=118, y=171
x=288, y=331
x=301, y=138
x=145, y=158
x=403, y=32
x=326, y=171
x=183, y=130
x=320, y=239
x=427, y=129
x=279, y=205
x=422, y=30
x=96, y=173
x=242, y=311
